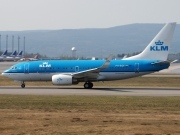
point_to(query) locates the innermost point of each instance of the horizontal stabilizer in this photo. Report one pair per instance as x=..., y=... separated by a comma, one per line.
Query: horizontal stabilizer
x=161, y=63
x=174, y=61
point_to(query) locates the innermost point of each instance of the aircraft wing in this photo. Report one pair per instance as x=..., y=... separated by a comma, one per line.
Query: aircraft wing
x=92, y=72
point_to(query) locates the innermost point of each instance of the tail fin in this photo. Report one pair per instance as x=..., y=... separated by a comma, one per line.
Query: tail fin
x=158, y=48
x=13, y=54
x=4, y=53
x=20, y=54
x=36, y=57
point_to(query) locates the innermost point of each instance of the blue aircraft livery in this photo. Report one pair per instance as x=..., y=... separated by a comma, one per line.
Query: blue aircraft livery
x=69, y=72
x=159, y=47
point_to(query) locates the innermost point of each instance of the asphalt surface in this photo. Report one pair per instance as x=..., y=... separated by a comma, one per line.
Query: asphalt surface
x=100, y=91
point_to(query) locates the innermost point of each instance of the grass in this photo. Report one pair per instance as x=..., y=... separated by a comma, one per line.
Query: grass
x=79, y=115
x=90, y=102
x=133, y=82
x=89, y=115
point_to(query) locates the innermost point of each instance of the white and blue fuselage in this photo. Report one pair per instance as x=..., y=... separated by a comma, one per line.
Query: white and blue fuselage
x=117, y=69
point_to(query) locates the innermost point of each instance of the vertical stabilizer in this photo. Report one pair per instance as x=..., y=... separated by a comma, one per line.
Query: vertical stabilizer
x=158, y=48
x=4, y=53
x=20, y=54
x=13, y=54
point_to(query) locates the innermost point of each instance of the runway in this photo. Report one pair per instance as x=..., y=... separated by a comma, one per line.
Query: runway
x=100, y=91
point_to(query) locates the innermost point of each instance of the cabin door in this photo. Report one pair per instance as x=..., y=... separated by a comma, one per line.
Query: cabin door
x=76, y=68
x=136, y=67
x=26, y=68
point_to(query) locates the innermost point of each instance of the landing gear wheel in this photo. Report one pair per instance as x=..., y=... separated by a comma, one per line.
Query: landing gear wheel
x=88, y=85
x=23, y=85
x=91, y=85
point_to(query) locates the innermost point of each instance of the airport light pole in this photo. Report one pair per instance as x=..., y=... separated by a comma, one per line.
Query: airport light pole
x=13, y=43
x=0, y=43
x=24, y=45
x=6, y=42
x=18, y=43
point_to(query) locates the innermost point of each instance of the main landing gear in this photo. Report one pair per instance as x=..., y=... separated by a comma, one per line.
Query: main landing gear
x=23, y=85
x=88, y=85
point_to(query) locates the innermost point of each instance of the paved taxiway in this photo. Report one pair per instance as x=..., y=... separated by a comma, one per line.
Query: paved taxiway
x=100, y=91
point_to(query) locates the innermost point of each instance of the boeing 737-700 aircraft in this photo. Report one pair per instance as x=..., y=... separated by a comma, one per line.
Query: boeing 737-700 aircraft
x=68, y=72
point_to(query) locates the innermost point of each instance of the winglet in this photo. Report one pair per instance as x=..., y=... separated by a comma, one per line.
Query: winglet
x=110, y=57
x=105, y=65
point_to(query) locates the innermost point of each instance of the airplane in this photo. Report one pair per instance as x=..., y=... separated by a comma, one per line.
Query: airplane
x=30, y=59
x=3, y=55
x=68, y=72
x=13, y=56
x=19, y=55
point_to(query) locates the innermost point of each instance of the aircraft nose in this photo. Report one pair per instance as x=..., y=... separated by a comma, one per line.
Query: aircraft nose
x=4, y=73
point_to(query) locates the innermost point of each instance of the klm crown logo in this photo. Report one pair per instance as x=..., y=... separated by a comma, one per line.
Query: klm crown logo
x=45, y=64
x=159, y=46
x=59, y=80
x=159, y=43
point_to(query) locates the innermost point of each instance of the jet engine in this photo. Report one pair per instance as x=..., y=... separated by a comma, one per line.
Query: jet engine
x=62, y=79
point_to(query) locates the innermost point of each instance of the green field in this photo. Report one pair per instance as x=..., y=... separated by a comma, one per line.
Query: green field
x=89, y=115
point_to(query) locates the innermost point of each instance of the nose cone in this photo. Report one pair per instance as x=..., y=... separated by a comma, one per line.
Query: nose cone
x=4, y=73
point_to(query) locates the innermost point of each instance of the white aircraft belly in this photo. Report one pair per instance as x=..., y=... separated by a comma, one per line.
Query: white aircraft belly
x=31, y=76
x=120, y=75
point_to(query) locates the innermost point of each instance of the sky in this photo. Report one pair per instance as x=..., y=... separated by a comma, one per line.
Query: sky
x=74, y=14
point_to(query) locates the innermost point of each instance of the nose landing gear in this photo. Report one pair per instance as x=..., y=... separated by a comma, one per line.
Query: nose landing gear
x=23, y=85
x=88, y=85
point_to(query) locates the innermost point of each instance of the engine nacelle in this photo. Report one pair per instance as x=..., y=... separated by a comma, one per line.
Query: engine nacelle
x=62, y=79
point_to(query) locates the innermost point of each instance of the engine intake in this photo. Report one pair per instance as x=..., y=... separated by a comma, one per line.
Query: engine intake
x=62, y=79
